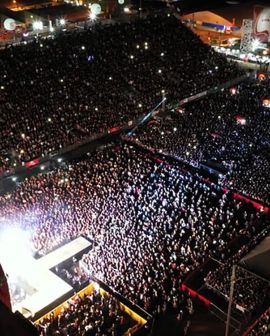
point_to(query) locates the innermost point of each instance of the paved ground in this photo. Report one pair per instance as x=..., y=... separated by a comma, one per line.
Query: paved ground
x=203, y=323
x=206, y=324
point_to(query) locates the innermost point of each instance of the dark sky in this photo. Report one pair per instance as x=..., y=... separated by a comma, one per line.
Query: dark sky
x=240, y=11
x=190, y=5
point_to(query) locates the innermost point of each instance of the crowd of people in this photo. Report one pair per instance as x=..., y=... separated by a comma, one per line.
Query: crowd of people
x=89, y=315
x=231, y=127
x=250, y=290
x=73, y=275
x=58, y=91
x=262, y=327
x=152, y=223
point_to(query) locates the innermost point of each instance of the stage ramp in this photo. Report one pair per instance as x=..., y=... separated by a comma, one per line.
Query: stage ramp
x=44, y=288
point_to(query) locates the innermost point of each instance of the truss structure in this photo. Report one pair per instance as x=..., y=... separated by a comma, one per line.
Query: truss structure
x=247, y=36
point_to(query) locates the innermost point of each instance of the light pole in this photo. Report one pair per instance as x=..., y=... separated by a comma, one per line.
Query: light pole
x=234, y=279
x=163, y=100
x=230, y=301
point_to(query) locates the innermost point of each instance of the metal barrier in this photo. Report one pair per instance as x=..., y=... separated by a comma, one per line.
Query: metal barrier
x=131, y=126
x=217, y=88
x=221, y=315
x=133, y=306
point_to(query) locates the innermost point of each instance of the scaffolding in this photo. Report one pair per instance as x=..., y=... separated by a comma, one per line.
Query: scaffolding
x=247, y=36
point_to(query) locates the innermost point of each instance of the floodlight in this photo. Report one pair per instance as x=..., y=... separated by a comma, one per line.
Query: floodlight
x=37, y=25
x=62, y=22
x=92, y=16
x=255, y=44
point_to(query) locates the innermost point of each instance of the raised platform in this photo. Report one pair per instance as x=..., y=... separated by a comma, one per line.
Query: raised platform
x=64, y=253
x=43, y=287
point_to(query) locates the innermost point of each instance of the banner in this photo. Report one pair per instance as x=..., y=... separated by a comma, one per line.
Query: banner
x=261, y=21
x=4, y=291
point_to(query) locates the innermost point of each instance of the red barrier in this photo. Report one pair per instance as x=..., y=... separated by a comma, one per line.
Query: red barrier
x=246, y=333
x=194, y=294
x=4, y=291
x=113, y=130
x=32, y=163
x=215, y=135
x=257, y=205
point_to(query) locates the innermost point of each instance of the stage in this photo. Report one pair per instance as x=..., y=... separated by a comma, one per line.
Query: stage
x=42, y=286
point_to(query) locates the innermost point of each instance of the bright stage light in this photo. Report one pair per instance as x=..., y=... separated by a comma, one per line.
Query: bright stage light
x=96, y=287
x=62, y=22
x=255, y=44
x=242, y=121
x=15, y=251
x=266, y=103
x=92, y=16
x=37, y=25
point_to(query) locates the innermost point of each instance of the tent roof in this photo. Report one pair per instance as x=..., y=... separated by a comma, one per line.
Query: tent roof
x=207, y=16
x=258, y=260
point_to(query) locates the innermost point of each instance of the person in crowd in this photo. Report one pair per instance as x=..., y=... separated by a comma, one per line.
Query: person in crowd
x=73, y=275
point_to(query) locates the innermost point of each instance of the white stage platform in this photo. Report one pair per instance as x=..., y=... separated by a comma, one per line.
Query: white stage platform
x=63, y=253
x=46, y=287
